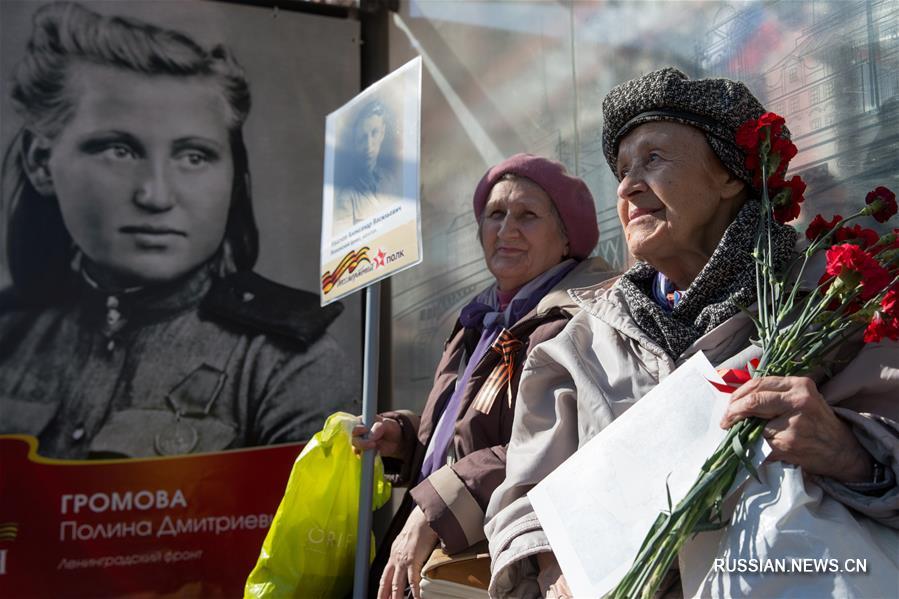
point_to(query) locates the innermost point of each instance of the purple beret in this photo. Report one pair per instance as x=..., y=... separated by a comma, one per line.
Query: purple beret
x=572, y=199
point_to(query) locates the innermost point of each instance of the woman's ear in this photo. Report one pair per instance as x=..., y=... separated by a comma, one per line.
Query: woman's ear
x=733, y=188
x=36, y=159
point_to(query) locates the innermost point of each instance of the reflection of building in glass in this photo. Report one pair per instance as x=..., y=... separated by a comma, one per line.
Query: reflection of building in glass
x=435, y=306
x=612, y=245
x=836, y=82
x=595, y=171
x=829, y=66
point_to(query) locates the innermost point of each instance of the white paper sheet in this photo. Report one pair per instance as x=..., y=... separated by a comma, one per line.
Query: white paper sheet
x=597, y=507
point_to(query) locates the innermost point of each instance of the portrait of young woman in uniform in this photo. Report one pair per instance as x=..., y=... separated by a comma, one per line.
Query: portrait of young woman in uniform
x=133, y=323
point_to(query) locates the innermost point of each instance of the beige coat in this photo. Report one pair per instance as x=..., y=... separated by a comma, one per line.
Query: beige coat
x=601, y=363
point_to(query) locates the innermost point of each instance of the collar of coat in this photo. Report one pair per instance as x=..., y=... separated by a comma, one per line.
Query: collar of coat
x=725, y=284
x=589, y=272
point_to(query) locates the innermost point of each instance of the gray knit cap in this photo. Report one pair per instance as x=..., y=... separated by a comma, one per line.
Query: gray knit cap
x=716, y=106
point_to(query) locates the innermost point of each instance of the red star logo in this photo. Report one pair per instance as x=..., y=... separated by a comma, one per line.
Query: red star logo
x=379, y=259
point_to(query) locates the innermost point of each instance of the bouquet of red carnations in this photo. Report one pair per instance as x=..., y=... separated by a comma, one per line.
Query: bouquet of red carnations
x=798, y=328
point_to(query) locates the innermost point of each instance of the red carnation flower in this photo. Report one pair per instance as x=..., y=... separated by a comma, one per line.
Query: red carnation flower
x=786, y=202
x=839, y=256
x=881, y=327
x=775, y=121
x=782, y=152
x=748, y=137
x=890, y=303
x=856, y=233
x=885, y=322
x=852, y=266
x=797, y=188
x=883, y=202
x=820, y=227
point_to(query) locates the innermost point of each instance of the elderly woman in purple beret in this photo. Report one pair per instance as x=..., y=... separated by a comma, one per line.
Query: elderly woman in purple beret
x=537, y=226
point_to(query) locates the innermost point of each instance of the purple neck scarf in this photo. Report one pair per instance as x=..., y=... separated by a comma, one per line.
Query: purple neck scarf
x=483, y=315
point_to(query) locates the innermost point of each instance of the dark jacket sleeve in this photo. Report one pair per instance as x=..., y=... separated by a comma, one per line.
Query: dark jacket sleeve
x=399, y=470
x=416, y=430
x=454, y=498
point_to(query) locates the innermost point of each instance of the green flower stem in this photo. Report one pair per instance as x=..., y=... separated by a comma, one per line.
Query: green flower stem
x=816, y=359
x=791, y=337
x=760, y=278
x=816, y=344
x=791, y=298
x=770, y=276
x=671, y=531
x=761, y=318
x=796, y=338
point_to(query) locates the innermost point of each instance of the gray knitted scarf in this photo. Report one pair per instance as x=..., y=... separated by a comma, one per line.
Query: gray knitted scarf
x=726, y=283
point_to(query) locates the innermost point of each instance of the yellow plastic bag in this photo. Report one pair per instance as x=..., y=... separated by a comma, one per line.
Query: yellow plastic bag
x=310, y=549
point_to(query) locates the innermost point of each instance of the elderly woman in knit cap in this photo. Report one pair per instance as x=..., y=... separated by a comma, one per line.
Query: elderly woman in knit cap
x=689, y=214
x=537, y=226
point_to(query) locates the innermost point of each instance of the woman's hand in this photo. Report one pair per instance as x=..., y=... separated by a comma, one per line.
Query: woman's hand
x=802, y=429
x=550, y=579
x=386, y=437
x=408, y=554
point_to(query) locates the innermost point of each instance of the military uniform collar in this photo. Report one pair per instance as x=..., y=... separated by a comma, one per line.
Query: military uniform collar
x=114, y=310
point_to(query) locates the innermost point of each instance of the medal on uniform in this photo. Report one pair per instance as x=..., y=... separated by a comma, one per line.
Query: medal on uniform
x=180, y=437
x=190, y=401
